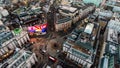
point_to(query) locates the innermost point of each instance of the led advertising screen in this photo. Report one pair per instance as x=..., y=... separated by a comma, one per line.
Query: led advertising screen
x=38, y=28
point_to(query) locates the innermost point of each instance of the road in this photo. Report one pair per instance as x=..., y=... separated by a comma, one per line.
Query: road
x=51, y=42
x=49, y=45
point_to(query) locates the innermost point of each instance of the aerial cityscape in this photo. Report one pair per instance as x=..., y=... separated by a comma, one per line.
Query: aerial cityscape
x=59, y=33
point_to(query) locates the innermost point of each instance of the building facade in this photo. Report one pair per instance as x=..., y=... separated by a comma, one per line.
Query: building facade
x=75, y=12
x=79, y=48
x=63, y=24
x=110, y=50
x=11, y=41
x=22, y=59
x=11, y=54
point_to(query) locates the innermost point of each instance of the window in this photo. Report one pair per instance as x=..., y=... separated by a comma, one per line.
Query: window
x=22, y=58
x=31, y=63
x=13, y=44
x=13, y=66
x=15, y=41
x=10, y=46
x=16, y=64
x=1, y=53
x=5, y=65
x=19, y=62
x=6, y=49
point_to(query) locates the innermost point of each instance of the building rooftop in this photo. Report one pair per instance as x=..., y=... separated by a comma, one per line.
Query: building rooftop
x=82, y=39
x=104, y=62
x=88, y=36
x=114, y=24
x=111, y=53
x=78, y=5
x=20, y=34
x=84, y=48
x=68, y=8
x=95, y=2
x=23, y=11
x=2, y=27
x=106, y=13
x=89, y=28
x=20, y=57
x=23, y=14
x=112, y=36
x=110, y=49
x=86, y=45
x=119, y=54
x=111, y=62
x=4, y=36
x=113, y=3
x=5, y=57
x=107, y=62
x=74, y=34
x=116, y=9
x=92, y=17
x=19, y=10
x=63, y=20
x=4, y=12
x=81, y=54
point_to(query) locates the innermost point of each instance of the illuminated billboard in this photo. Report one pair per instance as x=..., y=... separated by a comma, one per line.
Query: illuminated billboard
x=38, y=28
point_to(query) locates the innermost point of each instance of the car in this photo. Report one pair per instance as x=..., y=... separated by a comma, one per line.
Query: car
x=52, y=59
x=42, y=51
